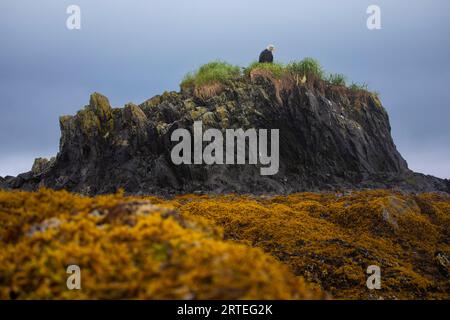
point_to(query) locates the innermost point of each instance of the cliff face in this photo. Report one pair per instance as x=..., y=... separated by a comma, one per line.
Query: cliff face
x=330, y=137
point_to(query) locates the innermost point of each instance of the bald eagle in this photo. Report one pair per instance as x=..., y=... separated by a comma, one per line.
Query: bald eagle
x=266, y=56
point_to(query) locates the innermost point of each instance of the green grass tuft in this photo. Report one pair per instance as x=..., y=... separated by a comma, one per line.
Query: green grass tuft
x=337, y=79
x=212, y=72
x=357, y=87
x=307, y=66
x=223, y=72
x=276, y=69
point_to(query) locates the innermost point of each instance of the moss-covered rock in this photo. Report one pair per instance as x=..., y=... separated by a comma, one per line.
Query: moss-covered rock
x=99, y=104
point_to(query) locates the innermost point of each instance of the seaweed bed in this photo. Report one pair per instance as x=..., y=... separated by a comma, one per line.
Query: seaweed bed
x=300, y=246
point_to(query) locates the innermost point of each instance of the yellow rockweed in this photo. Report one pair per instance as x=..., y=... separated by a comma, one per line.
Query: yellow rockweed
x=225, y=246
x=128, y=248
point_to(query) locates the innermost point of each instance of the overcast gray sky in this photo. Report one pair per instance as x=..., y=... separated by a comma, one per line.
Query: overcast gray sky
x=130, y=50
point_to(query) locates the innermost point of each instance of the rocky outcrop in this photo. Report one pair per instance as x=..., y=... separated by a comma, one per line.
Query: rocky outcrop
x=331, y=137
x=42, y=165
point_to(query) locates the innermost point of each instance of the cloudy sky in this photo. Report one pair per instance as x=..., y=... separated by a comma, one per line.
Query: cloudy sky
x=130, y=50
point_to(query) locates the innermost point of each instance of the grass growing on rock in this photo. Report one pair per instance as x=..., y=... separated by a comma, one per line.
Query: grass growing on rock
x=210, y=79
x=275, y=69
x=358, y=87
x=211, y=73
x=337, y=79
x=307, y=67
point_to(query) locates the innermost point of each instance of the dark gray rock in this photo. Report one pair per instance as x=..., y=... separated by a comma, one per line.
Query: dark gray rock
x=42, y=165
x=330, y=138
